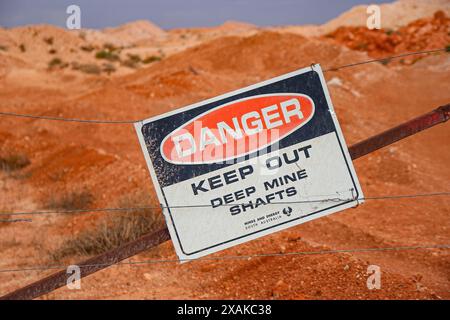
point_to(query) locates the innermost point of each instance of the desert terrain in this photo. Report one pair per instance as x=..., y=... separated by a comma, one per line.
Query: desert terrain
x=139, y=70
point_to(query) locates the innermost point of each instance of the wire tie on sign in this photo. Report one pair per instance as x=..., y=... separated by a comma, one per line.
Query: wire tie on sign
x=336, y=199
x=355, y=198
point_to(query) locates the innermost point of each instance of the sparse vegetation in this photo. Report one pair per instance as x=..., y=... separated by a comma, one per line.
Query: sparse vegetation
x=22, y=47
x=13, y=162
x=385, y=62
x=112, y=231
x=109, y=52
x=107, y=55
x=130, y=63
x=48, y=41
x=55, y=62
x=3, y=48
x=110, y=47
x=109, y=68
x=87, y=48
x=447, y=49
x=151, y=59
x=134, y=57
x=52, y=51
x=90, y=68
x=73, y=200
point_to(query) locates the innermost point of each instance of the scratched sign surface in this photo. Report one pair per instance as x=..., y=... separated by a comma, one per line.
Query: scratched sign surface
x=249, y=163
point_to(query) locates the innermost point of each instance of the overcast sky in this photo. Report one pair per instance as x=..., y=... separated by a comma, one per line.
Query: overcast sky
x=175, y=13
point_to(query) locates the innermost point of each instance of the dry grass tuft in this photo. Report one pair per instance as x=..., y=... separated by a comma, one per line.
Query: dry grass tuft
x=73, y=200
x=90, y=68
x=115, y=229
x=107, y=55
x=151, y=59
x=13, y=162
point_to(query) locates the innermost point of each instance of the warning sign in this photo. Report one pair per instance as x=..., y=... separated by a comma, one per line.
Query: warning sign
x=249, y=163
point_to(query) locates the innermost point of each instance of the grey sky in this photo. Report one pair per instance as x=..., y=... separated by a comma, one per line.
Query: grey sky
x=175, y=13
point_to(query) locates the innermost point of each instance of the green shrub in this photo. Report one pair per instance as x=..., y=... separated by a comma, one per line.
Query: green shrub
x=54, y=63
x=151, y=59
x=107, y=55
x=133, y=61
x=88, y=48
x=130, y=63
x=134, y=57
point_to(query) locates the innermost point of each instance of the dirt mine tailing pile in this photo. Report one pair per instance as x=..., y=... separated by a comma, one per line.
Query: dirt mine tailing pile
x=423, y=34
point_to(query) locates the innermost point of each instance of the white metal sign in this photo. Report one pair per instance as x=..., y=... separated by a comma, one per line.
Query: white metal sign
x=249, y=163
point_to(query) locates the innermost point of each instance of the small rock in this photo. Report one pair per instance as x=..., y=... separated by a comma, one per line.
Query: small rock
x=147, y=276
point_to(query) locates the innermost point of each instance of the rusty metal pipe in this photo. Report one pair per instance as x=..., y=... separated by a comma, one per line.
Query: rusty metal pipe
x=104, y=260
x=87, y=267
x=423, y=122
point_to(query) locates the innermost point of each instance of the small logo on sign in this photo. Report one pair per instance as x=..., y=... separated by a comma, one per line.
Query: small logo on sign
x=237, y=128
x=287, y=211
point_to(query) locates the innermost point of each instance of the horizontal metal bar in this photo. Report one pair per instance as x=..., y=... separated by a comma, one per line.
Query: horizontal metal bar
x=87, y=267
x=428, y=120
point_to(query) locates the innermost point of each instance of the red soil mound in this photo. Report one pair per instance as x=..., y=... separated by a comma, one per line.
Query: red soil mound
x=423, y=34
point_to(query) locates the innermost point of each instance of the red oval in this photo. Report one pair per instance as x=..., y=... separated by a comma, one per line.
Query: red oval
x=237, y=128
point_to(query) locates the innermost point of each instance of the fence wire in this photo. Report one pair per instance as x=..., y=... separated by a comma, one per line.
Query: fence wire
x=138, y=208
x=15, y=220
x=235, y=257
